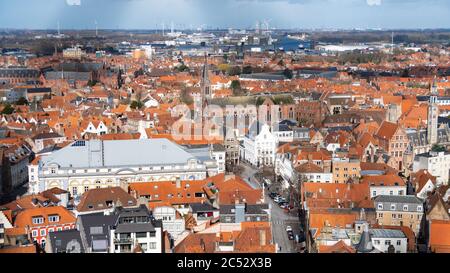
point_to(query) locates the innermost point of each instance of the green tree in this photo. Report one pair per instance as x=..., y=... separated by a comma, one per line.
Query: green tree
x=288, y=73
x=8, y=109
x=247, y=70
x=182, y=68
x=236, y=87
x=185, y=97
x=136, y=104
x=438, y=148
x=234, y=70
x=22, y=101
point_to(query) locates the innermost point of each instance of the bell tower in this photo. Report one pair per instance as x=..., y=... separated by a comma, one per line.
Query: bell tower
x=433, y=113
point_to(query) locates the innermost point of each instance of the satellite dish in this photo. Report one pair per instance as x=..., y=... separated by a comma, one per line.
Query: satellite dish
x=73, y=247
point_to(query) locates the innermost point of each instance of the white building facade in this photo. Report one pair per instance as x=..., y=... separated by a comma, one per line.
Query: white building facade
x=259, y=146
x=84, y=165
x=437, y=163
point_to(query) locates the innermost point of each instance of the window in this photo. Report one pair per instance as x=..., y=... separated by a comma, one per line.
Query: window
x=377, y=242
x=380, y=215
x=144, y=247
x=153, y=245
x=38, y=220
x=53, y=218
x=59, y=229
x=405, y=207
x=74, y=191
x=51, y=230
x=86, y=188
x=34, y=233
x=374, y=193
x=399, y=242
x=141, y=234
x=152, y=233
x=419, y=208
x=43, y=232
x=380, y=206
x=393, y=207
x=387, y=242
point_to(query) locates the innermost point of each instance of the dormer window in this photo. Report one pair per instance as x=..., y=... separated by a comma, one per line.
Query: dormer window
x=38, y=220
x=393, y=206
x=405, y=207
x=380, y=206
x=53, y=218
x=419, y=208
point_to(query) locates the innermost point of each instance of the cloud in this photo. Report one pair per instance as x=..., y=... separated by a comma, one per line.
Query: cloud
x=73, y=2
x=374, y=2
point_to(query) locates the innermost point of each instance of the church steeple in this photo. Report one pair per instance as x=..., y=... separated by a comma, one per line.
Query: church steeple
x=433, y=113
x=205, y=83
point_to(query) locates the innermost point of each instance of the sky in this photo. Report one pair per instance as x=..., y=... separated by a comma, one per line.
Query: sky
x=151, y=14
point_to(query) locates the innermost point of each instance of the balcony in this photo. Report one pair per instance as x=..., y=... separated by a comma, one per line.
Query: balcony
x=127, y=240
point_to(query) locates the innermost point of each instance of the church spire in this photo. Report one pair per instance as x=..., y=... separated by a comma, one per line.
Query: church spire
x=205, y=83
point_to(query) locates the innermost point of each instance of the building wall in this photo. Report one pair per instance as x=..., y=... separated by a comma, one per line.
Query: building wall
x=149, y=244
x=343, y=170
x=382, y=244
x=438, y=165
x=387, y=190
x=39, y=233
x=399, y=217
x=171, y=224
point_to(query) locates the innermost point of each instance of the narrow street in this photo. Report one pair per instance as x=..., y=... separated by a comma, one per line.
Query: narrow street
x=280, y=219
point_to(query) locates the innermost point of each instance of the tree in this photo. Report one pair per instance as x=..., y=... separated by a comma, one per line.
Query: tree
x=182, y=68
x=234, y=70
x=236, y=87
x=185, y=97
x=136, y=104
x=92, y=83
x=288, y=73
x=22, y=101
x=223, y=67
x=247, y=70
x=225, y=57
x=8, y=109
x=438, y=148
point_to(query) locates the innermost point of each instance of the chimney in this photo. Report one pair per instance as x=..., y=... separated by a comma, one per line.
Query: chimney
x=148, y=116
x=262, y=237
x=310, y=157
x=178, y=183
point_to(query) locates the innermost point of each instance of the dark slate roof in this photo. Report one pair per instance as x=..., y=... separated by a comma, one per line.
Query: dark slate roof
x=365, y=243
x=80, y=67
x=409, y=199
x=249, y=209
x=67, y=75
x=68, y=241
x=263, y=76
x=199, y=207
x=39, y=90
x=19, y=73
x=100, y=224
x=46, y=135
x=135, y=227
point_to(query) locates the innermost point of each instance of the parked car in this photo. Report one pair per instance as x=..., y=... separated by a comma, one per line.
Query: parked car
x=279, y=199
x=288, y=228
x=284, y=205
x=273, y=195
x=290, y=235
